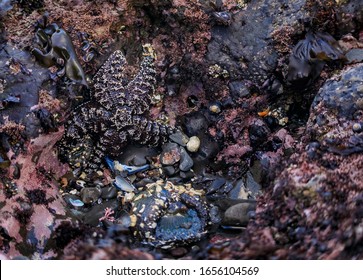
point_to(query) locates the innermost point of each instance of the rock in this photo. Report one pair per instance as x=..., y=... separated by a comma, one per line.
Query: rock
x=169, y=170
x=238, y=214
x=186, y=162
x=90, y=194
x=98, y=210
x=108, y=192
x=252, y=185
x=179, y=252
x=195, y=124
x=179, y=138
x=170, y=154
x=239, y=191
x=193, y=144
x=354, y=56
x=238, y=89
x=216, y=185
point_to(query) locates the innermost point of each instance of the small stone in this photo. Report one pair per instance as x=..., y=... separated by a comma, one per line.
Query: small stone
x=179, y=252
x=238, y=214
x=170, y=154
x=169, y=170
x=239, y=191
x=186, y=162
x=215, y=108
x=90, y=195
x=186, y=175
x=193, y=144
x=179, y=138
x=108, y=192
x=357, y=127
x=216, y=185
x=238, y=89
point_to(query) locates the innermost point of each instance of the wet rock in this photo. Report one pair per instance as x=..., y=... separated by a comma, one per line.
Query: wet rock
x=186, y=175
x=354, y=56
x=238, y=89
x=98, y=211
x=216, y=185
x=186, y=162
x=239, y=191
x=193, y=144
x=108, y=192
x=195, y=124
x=169, y=170
x=238, y=214
x=90, y=194
x=20, y=81
x=251, y=185
x=179, y=252
x=179, y=138
x=170, y=154
x=136, y=156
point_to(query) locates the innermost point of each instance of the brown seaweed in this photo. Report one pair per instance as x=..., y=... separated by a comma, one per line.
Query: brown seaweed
x=310, y=55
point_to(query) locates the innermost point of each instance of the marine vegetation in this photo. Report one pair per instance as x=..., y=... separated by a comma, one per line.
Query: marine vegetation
x=56, y=47
x=310, y=55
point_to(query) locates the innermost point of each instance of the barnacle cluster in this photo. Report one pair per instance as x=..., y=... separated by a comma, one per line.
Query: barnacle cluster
x=115, y=116
x=56, y=48
x=310, y=55
x=165, y=214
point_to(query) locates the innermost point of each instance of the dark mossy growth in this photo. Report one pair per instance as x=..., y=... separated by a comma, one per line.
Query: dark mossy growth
x=5, y=240
x=23, y=215
x=56, y=48
x=37, y=196
x=310, y=55
x=65, y=233
x=28, y=6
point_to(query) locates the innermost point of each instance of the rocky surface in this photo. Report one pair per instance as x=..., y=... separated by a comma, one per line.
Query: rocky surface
x=277, y=164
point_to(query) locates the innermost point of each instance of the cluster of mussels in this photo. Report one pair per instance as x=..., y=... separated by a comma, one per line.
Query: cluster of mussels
x=165, y=214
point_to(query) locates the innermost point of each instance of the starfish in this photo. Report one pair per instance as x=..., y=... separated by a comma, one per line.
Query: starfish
x=115, y=116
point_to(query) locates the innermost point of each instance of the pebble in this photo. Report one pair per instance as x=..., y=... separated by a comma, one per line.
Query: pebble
x=108, y=192
x=170, y=154
x=123, y=185
x=238, y=191
x=186, y=162
x=169, y=170
x=216, y=185
x=98, y=210
x=90, y=195
x=179, y=138
x=252, y=185
x=357, y=127
x=193, y=144
x=179, y=252
x=238, y=214
x=238, y=89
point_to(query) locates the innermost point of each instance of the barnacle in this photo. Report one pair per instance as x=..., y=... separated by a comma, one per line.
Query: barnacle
x=55, y=44
x=309, y=56
x=165, y=214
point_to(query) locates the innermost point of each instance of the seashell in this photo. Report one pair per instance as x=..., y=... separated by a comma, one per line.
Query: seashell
x=123, y=185
x=76, y=202
x=116, y=166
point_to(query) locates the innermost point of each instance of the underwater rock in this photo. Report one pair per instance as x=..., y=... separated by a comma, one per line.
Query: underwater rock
x=186, y=162
x=171, y=154
x=238, y=214
x=166, y=214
